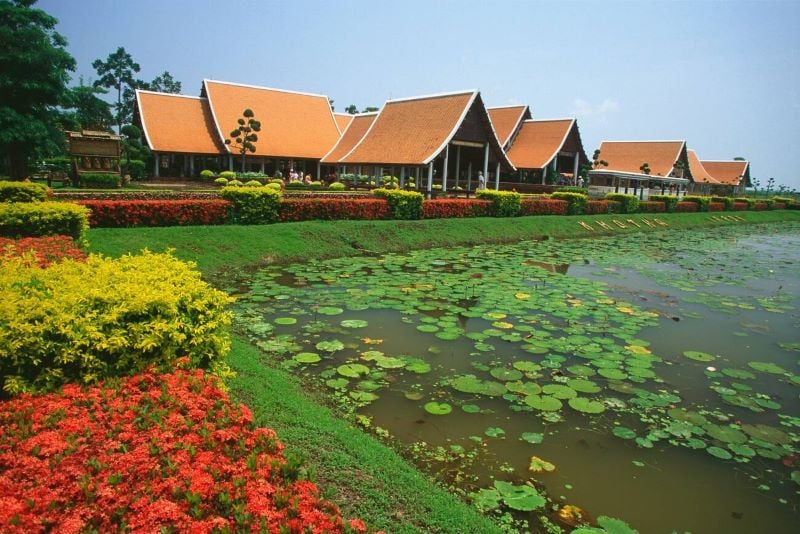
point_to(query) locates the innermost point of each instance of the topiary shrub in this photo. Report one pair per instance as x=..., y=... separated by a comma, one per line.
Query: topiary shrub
x=628, y=203
x=728, y=201
x=275, y=186
x=37, y=219
x=744, y=200
x=253, y=183
x=221, y=181
x=234, y=183
x=576, y=201
x=22, y=192
x=253, y=205
x=670, y=201
x=702, y=202
x=228, y=175
x=505, y=203
x=337, y=186
x=206, y=174
x=136, y=169
x=404, y=204
x=138, y=311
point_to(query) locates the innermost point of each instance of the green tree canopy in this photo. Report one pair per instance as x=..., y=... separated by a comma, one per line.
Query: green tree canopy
x=89, y=111
x=244, y=137
x=116, y=72
x=35, y=68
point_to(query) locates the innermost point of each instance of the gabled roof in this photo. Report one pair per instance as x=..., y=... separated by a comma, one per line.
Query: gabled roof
x=628, y=156
x=539, y=141
x=728, y=172
x=293, y=124
x=358, y=126
x=699, y=173
x=177, y=123
x=343, y=120
x=506, y=120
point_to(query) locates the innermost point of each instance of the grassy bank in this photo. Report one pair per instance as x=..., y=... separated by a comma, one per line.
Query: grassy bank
x=225, y=248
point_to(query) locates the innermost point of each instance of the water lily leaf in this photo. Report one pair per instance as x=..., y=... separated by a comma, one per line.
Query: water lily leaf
x=354, y=323
x=353, y=370
x=538, y=465
x=623, y=432
x=583, y=385
x=501, y=373
x=471, y=408
x=719, y=453
x=767, y=367
x=330, y=345
x=742, y=450
x=524, y=388
x=417, y=365
x=307, y=357
x=544, y=403
x=582, y=404
x=471, y=384
x=612, y=374
x=699, y=356
x=527, y=366
x=363, y=396
x=337, y=383
x=285, y=320
x=532, y=437
x=329, y=310
x=726, y=434
x=767, y=433
x=559, y=391
x=414, y=395
x=486, y=499
x=495, y=432
x=438, y=408
x=740, y=374
x=389, y=362
x=521, y=498
x=427, y=328
x=615, y=526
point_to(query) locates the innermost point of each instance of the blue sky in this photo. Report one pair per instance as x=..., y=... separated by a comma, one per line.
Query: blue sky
x=724, y=76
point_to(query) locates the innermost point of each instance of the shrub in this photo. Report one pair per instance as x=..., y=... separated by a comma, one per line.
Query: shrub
x=228, y=175
x=136, y=195
x=404, y=204
x=45, y=250
x=235, y=183
x=247, y=176
x=253, y=183
x=780, y=205
x=300, y=185
x=55, y=327
x=543, y=206
x=37, y=219
x=595, y=207
x=504, y=203
x=129, y=213
x=136, y=168
x=740, y=206
x=716, y=206
x=276, y=181
x=702, y=202
x=576, y=201
x=727, y=201
x=206, y=174
x=669, y=201
x=221, y=182
x=762, y=205
x=574, y=189
x=783, y=200
x=628, y=203
x=306, y=209
x=445, y=208
x=337, y=186
x=275, y=186
x=253, y=205
x=22, y=192
x=744, y=200
x=652, y=206
x=99, y=179
x=683, y=207
x=59, y=164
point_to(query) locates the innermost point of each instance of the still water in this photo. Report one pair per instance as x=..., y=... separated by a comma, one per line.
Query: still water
x=651, y=378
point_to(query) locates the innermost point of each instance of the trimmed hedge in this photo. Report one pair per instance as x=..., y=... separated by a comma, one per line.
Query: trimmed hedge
x=670, y=201
x=727, y=201
x=404, y=204
x=687, y=207
x=448, y=208
x=136, y=195
x=55, y=327
x=22, y=192
x=252, y=205
x=542, y=206
x=127, y=213
x=504, y=203
x=577, y=201
x=37, y=219
x=716, y=206
x=702, y=202
x=740, y=206
x=628, y=203
x=594, y=207
x=763, y=205
x=744, y=200
x=652, y=207
x=306, y=209
x=99, y=179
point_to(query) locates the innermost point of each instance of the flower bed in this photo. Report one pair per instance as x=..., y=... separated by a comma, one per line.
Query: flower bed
x=295, y=209
x=536, y=206
x=779, y=205
x=45, y=250
x=740, y=206
x=124, y=213
x=136, y=195
x=446, y=208
x=594, y=207
x=761, y=206
x=150, y=453
x=716, y=206
x=685, y=207
x=652, y=206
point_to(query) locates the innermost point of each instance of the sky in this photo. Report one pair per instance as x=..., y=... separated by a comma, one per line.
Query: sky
x=722, y=75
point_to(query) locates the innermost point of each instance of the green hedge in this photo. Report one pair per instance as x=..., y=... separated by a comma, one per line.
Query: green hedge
x=22, y=192
x=37, y=219
x=628, y=203
x=99, y=179
x=252, y=205
x=670, y=201
x=55, y=327
x=728, y=201
x=404, y=204
x=504, y=203
x=702, y=202
x=136, y=168
x=577, y=201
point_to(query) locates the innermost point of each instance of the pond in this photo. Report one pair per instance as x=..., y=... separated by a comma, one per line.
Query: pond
x=651, y=378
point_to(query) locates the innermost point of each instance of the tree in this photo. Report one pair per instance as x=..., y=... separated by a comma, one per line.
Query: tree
x=351, y=109
x=90, y=112
x=244, y=137
x=770, y=185
x=369, y=109
x=117, y=72
x=596, y=161
x=331, y=101
x=35, y=69
x=645, y=168
x=132, y=146
x=165, y=83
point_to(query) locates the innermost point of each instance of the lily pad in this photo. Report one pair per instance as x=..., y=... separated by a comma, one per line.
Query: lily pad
x=521, y=498
x=623, y=432
x=471, y=384
x=532, y=437
x=767, y=367
x=538, y=465
x=354, y=323
x=501, y=373
x=307, y=357
x=332, y=345
x=544, y=403
x=719, y=453
x=285, y=320
x=582, y=404
x=353, y=370
x=495, y=432
x=329, y=310
x=699, y=356
x=438, y=408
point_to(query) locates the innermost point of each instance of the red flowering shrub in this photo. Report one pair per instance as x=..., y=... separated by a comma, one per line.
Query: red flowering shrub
x=652, y=206
x=45, y=250
x=150, y=453
x=543, y=206
x=447, y=208
x=716, y=206
x=594, y=207
x=740, y=206
x=305, y=209
x=761, y=206
x=122, y=213
x=683, y=207
x=779, y=205
x=136, y=195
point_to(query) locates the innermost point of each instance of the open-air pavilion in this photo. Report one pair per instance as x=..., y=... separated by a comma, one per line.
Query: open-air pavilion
x=641, y=168
x=507, y=120
x=547, y=146
x=702, y=182
x=732, y=175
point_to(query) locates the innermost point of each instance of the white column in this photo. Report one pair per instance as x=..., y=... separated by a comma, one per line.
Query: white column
x=575, y=169
x=469, y=176
x=156, y=170
x=497, y=178
x=319, y=171
x=446, y=162
x=416, y=176
x=458, y=163
x=263, y=165
x=230, y=163
x=402, y=177
x=430, y=176
x=191, y=165
x=486, y=162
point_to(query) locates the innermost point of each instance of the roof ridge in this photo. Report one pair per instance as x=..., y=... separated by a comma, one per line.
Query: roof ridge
x=250, y=86
x=149, y=92
x=645, y=141
x=726, y=160
x=508, y=106
x=433, y=95
x=456, y=126
x=552, y=120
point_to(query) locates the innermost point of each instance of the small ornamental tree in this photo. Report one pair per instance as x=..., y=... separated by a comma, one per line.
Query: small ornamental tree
x=596, y=161
x=244, y=137
x=645, y=168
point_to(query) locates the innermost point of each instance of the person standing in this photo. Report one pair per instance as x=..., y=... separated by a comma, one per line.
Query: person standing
x=481, y=180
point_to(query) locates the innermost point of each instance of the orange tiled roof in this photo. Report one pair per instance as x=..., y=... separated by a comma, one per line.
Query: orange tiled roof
x=177, y=123
x=628, y=156
x=699, y=173
x=293, y=124
x=506, y=119
x=538, y=142
x=343, y=120
x=351, y=136
x=412, y=131
x=727, y=172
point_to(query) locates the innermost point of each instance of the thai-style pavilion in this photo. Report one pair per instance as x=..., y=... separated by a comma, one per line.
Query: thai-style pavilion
x=702, y=182
x=343, y=120
x=548, y=144
x=732, y=175
x=445, y=139
x=352, y=134
x=641, y=168
x=507, y=120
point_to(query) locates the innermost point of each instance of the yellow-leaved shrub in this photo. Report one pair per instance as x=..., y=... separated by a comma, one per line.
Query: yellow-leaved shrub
x=83, y=322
